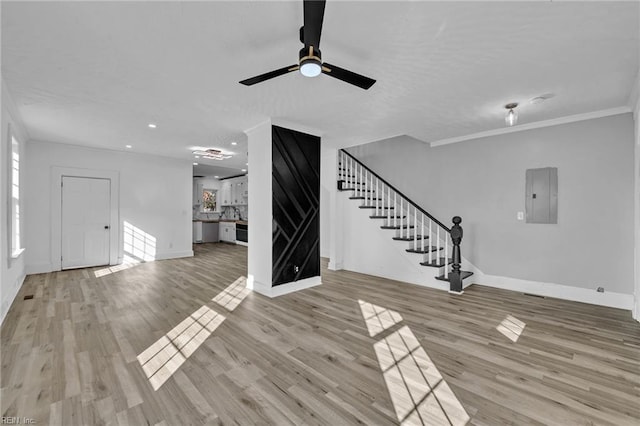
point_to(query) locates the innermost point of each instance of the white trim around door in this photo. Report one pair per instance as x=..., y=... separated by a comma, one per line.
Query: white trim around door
x=115, y=252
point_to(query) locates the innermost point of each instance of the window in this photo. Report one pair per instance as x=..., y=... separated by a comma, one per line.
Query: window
x=208, y=200
x=14, y=182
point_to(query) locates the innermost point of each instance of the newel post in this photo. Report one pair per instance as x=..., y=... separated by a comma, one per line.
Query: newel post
x=455, y=281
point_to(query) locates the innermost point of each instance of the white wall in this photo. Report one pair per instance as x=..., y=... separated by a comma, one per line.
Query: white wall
x=636, y=117
x=12, y=271
x=327, y=185
x=155, y=195
x=483, y=181
x=259, y=262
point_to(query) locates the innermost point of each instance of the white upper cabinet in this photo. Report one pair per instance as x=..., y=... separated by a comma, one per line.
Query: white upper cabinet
x=234, y=191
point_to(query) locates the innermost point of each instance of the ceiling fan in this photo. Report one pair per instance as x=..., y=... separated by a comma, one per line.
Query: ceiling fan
x=310, y=59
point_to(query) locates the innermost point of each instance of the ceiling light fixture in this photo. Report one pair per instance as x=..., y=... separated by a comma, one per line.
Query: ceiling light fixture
x=234, y=143
x=244, y=170
x=195, y=164
x=212, y=154
x=128, y=146
x=310, y=62
x=512, y=116
x=152, y=126
x=217, y=177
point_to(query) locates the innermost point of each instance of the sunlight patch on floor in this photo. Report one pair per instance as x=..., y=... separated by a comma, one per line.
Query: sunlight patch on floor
x=231, y=296
x=378, y=318
x=127, y=262
x=163, y=358
x=419, y=393
x=511, y=327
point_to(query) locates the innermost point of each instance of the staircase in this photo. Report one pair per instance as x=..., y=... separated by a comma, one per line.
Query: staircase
x=434, y=245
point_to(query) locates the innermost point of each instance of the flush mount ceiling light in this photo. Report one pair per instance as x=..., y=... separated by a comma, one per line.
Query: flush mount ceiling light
x=541, y=98
x=234, y=143
x=512, y=116
x=128, y=146
x=152, y=126
x=212, y=154
x=195, y=164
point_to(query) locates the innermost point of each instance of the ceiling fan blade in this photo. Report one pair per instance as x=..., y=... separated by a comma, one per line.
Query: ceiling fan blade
x=347, y=76
x=313, y=16
x=269, y=75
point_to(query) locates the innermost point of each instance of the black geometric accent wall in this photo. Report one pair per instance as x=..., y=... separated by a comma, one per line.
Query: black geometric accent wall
x=296, y=205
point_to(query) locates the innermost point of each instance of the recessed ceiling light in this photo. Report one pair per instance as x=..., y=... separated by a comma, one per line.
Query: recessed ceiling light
x=234, y=143
x=195, y=164
x=244, y=170
x=152, y=126
x=128, y=146
x=217, y=177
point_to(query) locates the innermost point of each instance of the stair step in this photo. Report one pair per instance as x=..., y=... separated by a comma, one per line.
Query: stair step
x=363, y=198
x=344, y=188
x=396, y=227
x=437, y=263
x=463, y=275
x=410, y=238
x=373, y=207
x=385, y=217
x=426, y=250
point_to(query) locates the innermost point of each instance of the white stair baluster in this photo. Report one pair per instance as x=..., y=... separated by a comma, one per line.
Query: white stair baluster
x=415, y=228
x=422, y=232
x=377, y=182
x=437, y=242
x=388, y=206
x=370, y=188
x=395, y=203
x=446, y=255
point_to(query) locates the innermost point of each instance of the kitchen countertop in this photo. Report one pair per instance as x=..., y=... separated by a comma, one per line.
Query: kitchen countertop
x=242, y=222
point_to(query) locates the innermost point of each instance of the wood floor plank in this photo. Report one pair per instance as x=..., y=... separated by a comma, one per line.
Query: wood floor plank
x=71, y=355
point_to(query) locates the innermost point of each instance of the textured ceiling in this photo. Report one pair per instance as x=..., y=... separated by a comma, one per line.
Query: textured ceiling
x=95, y=73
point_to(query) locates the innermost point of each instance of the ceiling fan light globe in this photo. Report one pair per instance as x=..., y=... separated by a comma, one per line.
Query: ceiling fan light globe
x=310, y=68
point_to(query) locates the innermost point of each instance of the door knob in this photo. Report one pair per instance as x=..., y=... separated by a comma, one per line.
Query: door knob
x=106, y=227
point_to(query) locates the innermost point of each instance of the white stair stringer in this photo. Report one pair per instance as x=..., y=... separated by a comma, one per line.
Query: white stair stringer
x=368, y=249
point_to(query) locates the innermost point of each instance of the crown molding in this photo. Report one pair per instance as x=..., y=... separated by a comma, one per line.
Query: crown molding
x=536, y=125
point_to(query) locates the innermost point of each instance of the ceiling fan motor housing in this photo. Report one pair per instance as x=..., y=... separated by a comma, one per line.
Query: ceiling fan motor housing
x=310, y=54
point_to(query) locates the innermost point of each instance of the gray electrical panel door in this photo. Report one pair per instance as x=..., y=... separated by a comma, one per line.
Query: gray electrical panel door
x=542, y=195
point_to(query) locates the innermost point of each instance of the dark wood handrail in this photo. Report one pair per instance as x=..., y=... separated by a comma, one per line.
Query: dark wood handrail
x=398, y=192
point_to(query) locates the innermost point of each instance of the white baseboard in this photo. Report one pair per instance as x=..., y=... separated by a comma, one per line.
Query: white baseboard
x=173, y=254
x=559, y=291
x=39, y=268
x=283, y=289
x=8, y=299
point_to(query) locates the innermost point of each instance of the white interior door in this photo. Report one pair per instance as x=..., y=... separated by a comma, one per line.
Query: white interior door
x=86, y=204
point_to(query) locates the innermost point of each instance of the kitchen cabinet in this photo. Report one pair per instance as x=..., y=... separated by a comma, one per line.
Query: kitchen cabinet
x=228, y=232
x=225, y=194
x=234, y=192
x=197, y=232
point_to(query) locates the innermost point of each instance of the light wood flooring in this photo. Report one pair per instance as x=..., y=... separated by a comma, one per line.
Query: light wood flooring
x=355, y=350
